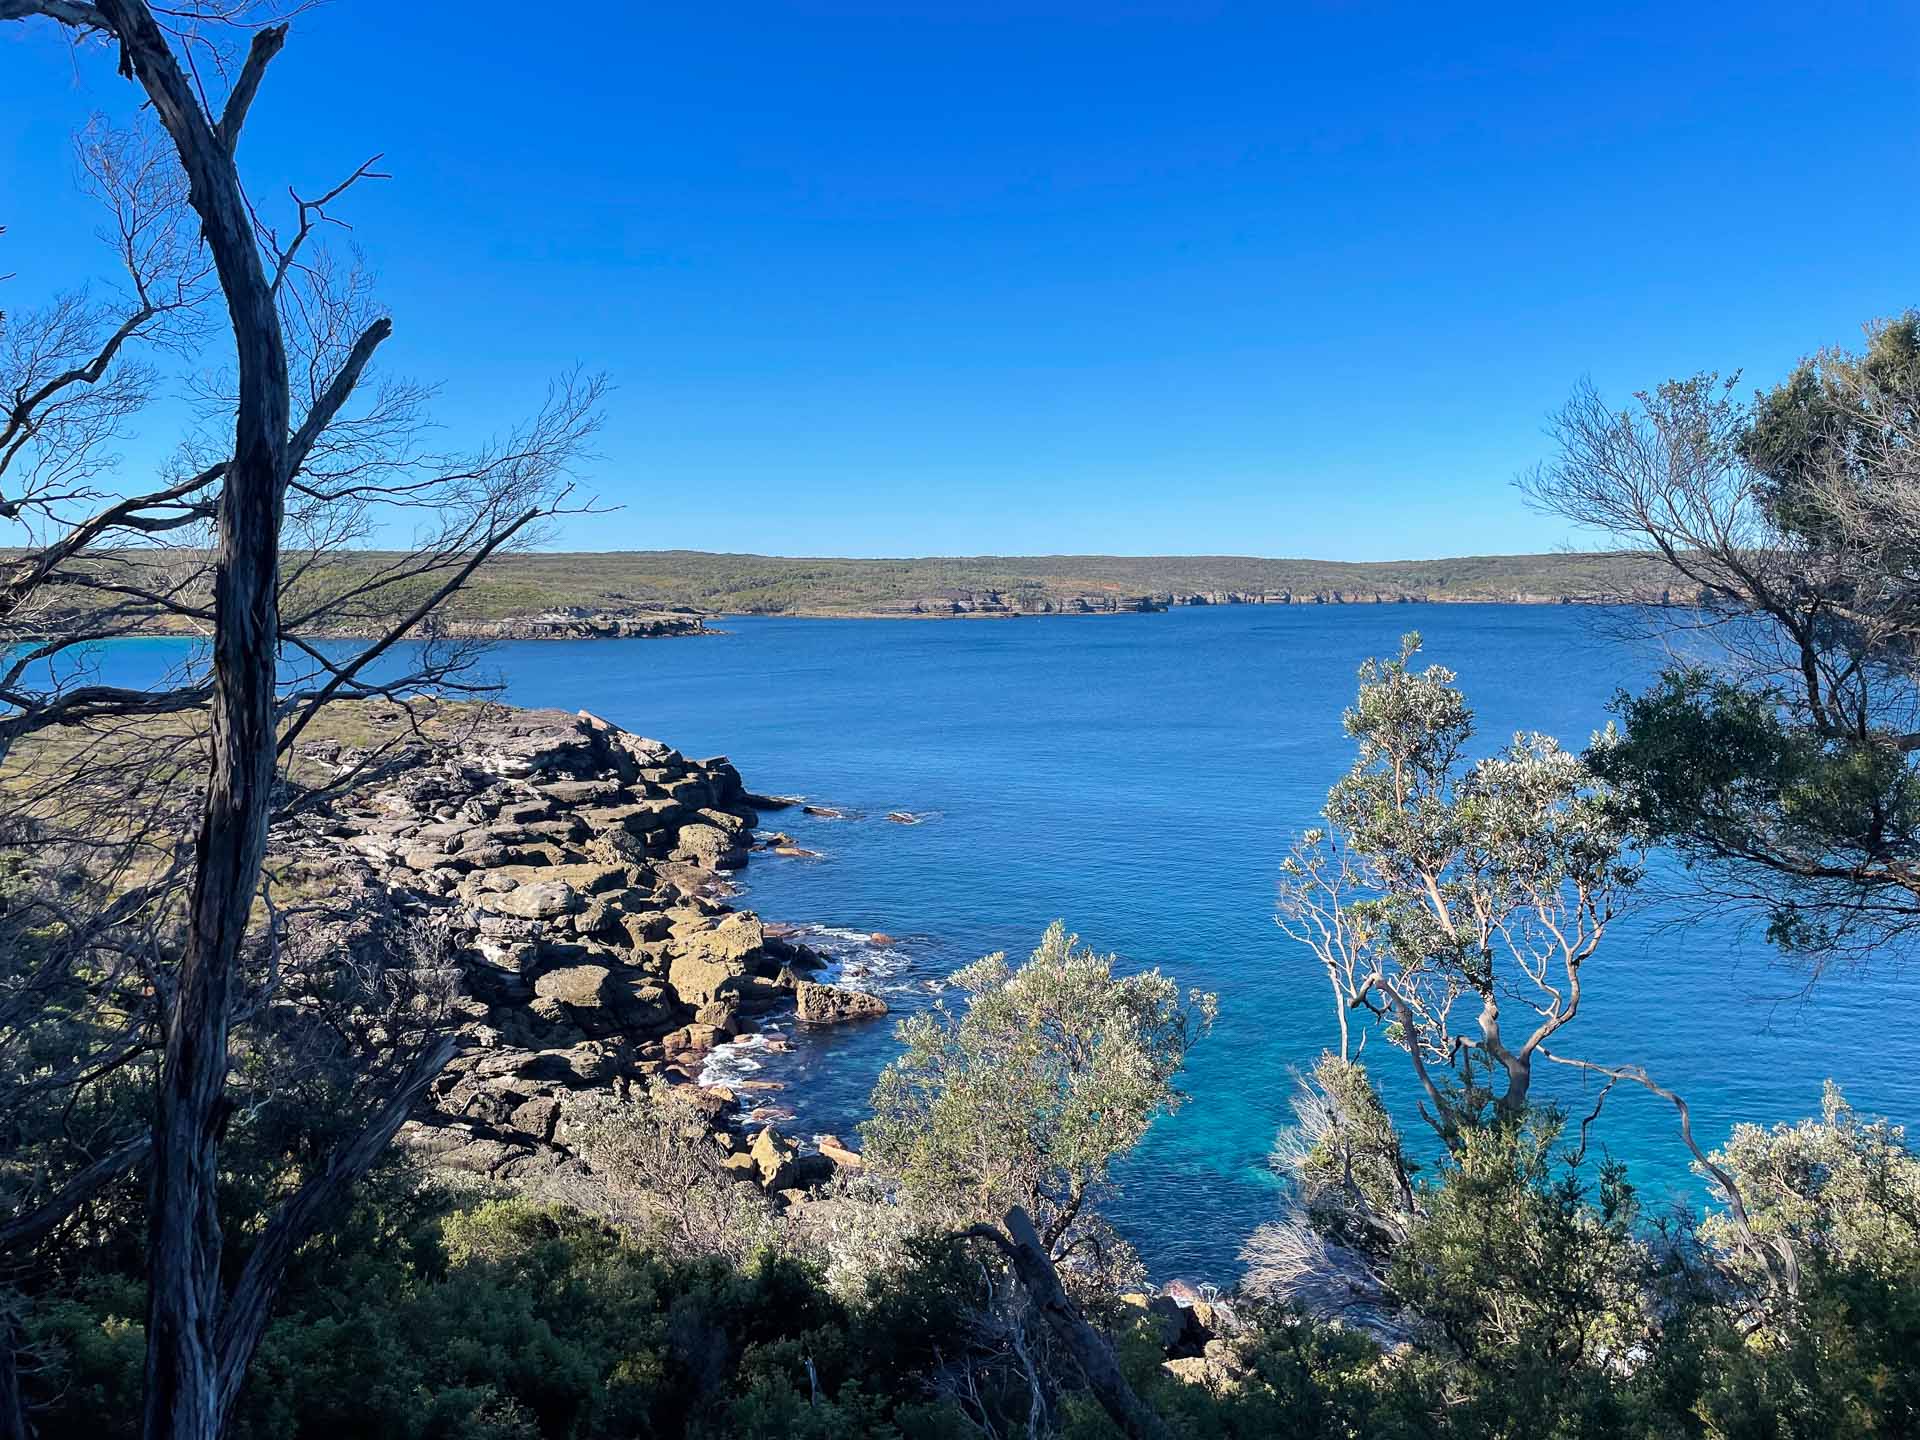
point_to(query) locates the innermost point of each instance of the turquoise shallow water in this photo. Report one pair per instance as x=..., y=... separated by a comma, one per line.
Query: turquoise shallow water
x=1141, y=777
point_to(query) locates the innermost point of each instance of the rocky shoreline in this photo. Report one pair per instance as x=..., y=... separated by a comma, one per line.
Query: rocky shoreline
x=987, y=604
x=575, y=622
x=573, y=878
x=569, y=623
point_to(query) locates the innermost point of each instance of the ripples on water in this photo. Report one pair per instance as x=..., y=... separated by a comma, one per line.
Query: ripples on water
x=1142, y=777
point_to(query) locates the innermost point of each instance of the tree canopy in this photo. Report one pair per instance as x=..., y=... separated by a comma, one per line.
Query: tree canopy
x=1055, y=1068
x=1777, y=752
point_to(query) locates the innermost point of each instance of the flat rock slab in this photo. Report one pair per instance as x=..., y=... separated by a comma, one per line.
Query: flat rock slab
x=535, y=900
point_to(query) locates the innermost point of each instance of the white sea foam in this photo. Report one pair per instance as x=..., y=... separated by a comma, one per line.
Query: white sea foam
x=855, y=961
x=735, y=1061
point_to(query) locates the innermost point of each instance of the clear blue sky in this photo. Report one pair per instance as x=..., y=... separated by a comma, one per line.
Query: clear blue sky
x=999, y=277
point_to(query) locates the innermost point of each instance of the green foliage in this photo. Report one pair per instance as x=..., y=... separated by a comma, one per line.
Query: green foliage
x=665, y=1176
x=1782, y=758
x=1837, y=1356
x=1346, y=1142
x=1537, y=1303
x=1842, y=1191
x=1812, y=431
x=515, y=1320
x=1055, y=1069
x=526, y=584
x=1719, y=770
x=1528, y=1292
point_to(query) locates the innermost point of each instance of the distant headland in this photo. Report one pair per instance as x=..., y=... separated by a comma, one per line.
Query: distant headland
x=647, y=594
x=638, y=582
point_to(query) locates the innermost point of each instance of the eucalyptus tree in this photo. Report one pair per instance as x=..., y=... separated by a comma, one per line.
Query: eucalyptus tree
x=1445, y=897
x=1780, y=752
x=240, y=539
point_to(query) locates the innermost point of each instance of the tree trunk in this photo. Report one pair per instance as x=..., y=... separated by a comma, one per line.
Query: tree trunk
x=1089, y=1349
x=13, y=1409
x=184, y=1301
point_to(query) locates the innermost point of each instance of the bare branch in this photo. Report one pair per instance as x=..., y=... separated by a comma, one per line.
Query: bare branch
x=266, y=44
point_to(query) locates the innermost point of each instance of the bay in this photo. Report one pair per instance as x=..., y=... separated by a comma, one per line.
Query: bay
x=1142, y=777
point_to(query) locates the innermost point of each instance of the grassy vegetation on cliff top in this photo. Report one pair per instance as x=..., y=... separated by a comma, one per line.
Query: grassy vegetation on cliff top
x=524, y=584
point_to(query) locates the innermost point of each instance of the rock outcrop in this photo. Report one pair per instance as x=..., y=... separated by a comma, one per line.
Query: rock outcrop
x=570, y=877
x=573, y=622
x=817, y=1004
x=577, y=623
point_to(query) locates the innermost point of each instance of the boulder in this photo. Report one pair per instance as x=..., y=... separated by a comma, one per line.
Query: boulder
x=739, y=935
x=577, y=1067
x=424, y=859
x=818, y=1004
x=701, y=979
x=507, y=942
x=722, y=820
x=638, y=818
x=709, y=847
x=581, y=987
x=564, y=830
x=538, y=900
x=725, y=780
x=617, y=847
x=643, y=927
x=694, y=1039
x=579, y=792
x=599, y=920
x=693, y=792
x=588, y=878
x=773, y=1155
x=533, y=742
x=602, y=1002
x=1161, y=1315
x=537, y=1116
x=837, y=1151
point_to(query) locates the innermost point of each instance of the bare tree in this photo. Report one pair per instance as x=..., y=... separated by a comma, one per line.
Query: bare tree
x=658, y=1171
x=239, y=542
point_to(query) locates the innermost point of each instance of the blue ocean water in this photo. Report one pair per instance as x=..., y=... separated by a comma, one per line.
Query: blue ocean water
x=1141, y=777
